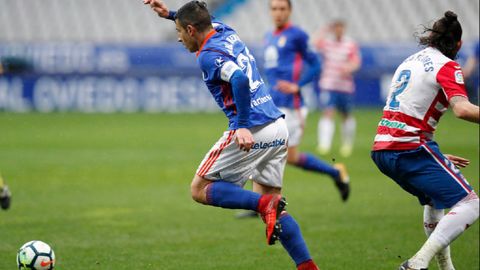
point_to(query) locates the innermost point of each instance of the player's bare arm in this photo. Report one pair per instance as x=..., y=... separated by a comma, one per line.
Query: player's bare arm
x=458, y=161
x=244, y=139
x=463, y=109
x=158, y=6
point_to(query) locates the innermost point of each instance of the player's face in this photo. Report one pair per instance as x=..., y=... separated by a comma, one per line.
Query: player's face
x=185, y=36
x=280, y=11
x=338, y=30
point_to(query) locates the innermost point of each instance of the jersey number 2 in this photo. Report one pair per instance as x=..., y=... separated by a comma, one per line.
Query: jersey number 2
x=244, y=61
x=400, y=85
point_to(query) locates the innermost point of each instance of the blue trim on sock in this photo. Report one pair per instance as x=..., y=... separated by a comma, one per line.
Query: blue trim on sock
x=292, y=240
x=311, y=163
x=227, y=195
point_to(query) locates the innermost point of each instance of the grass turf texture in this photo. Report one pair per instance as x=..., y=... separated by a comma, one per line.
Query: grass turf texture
x=112, y=192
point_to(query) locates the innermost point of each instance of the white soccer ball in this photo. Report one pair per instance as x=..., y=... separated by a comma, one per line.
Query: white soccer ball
x=36, y=255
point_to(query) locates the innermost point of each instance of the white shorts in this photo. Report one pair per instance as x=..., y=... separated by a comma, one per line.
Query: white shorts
x=295, y=119
x=263, y=164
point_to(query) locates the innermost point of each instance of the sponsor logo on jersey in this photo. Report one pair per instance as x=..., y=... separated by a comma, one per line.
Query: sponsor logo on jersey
x=263, y=145
x=392, y=124
x=459, y=77
x=259, y=101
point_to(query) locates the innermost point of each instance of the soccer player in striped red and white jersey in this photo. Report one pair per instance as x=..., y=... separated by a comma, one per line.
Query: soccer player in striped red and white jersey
x=341, y=58
x=422, y=89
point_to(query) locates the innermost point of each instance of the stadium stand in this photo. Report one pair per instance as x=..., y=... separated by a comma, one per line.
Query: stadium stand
x=123, y=21
x=368, y=20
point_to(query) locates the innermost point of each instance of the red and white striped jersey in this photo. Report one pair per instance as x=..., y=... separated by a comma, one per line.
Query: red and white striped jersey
x=419, y=95
x=336, y=55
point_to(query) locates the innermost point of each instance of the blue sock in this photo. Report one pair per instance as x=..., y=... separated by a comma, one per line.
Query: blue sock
x=292, y=240
x=311, y=163
x=228, y=195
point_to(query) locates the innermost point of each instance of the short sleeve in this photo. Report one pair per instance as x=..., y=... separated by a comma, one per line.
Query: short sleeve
x=211, y=63
x=450, y=78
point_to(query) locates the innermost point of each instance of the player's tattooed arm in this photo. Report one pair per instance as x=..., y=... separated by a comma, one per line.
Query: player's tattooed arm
x=463, y=109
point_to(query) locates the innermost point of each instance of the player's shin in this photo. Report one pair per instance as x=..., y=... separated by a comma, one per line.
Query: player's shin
x=227, y=195
x=326, y=129
x=311, y=163
x=348, y=136
x=293, y=242
x=460, y=217
x=431, y=217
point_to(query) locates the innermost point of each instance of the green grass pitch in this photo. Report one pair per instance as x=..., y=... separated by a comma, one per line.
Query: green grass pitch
x=112, y=192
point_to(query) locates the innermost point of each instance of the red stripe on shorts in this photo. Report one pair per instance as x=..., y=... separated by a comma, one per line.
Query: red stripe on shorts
x=214, y=155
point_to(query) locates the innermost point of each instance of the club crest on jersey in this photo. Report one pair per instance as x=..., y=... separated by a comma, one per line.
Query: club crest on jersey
x=282, y=41
x=459, y=77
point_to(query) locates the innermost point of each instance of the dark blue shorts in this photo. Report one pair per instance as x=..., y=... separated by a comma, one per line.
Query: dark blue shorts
x=425, y=173
x=343, y=102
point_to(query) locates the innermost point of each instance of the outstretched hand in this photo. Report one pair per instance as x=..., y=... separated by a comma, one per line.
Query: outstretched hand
x=158, y=6
x=458, y=161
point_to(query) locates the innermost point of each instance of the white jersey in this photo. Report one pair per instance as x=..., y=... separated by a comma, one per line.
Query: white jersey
x=337, y=55
x=419, y=95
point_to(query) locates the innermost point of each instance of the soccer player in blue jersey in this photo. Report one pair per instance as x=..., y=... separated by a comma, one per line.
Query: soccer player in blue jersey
x=286, y=50
x=254, y=147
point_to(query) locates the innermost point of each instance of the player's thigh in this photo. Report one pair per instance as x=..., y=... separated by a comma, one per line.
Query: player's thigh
x=438, y=178
x=262, y=189
x=226, y=162
x=269, y=171
x=344, y=104
x=396, y=165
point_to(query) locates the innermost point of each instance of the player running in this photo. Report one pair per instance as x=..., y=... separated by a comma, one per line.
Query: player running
x=255, y=145
x=423, y=87
x=285, y=52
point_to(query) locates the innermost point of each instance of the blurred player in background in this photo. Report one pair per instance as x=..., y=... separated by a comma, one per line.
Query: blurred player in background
x=341, y=58
x=5, y=195
x=286, y=50
x=423, y=87
x=256, y=144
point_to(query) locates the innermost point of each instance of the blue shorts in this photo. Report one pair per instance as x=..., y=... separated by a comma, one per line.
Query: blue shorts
x=341, y=101
x=425, y=173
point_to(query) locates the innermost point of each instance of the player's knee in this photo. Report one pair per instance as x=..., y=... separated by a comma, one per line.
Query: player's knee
x=195, y=193
x=198, y=192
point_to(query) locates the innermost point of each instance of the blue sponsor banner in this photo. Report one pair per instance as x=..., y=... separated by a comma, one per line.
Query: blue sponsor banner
x=104, y=93
x=90, y=77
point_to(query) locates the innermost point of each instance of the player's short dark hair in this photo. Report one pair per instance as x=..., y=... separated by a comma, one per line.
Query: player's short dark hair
x=444, y=35
x=288, y=2
x=194, y=13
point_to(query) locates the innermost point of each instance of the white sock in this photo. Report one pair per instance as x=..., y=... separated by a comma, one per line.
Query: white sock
x=348, y=131
x=460, y=217
x=326, y=129
x=431, y=217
